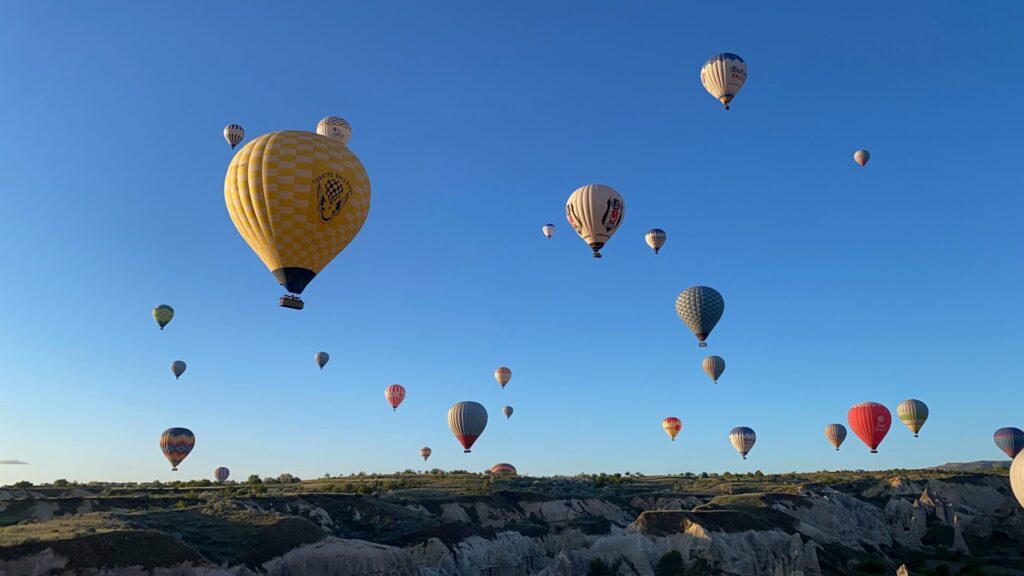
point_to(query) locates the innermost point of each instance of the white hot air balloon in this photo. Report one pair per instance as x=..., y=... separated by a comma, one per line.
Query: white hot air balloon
x=234, y=134
x=595, y=212
x=655, y=238
x=723, y=75
x=1017, y=477
x=861, y=157
x=548, y=230
x=335, y=127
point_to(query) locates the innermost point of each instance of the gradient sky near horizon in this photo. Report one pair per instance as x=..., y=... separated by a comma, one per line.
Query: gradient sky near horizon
x=475, y=122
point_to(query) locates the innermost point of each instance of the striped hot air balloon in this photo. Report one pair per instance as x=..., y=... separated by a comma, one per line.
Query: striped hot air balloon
x=234, y=134
x=836, y=434
x=913, y=413
x=1009, y=440
x=742, y=439
x=163, y=314
x=548, y=230
x=321, y=359
x=861, y=157
x=176, y=444
x=723, y=75
x=467, y=421
x=672, y=426
x=503, y=375
x=425, y=452
x=595, y=212
x=700, y=308
x=178, y=368
x=503, y=469
x=870, y=422
x=394, y=394
x=655, y=238
x=335, y=127
x=714, y=366
x=221, y=474
x=507, y=411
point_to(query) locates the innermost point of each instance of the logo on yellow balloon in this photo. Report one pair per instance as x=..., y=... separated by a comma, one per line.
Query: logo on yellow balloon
x=332, y=192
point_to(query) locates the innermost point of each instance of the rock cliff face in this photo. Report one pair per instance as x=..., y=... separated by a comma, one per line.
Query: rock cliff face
x=807, y=530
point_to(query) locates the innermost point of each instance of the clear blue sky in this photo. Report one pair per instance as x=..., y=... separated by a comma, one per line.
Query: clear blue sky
x=475, y=122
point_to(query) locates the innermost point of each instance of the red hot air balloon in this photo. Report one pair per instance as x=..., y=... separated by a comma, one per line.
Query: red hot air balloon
x=395, y=394
x=870, y=422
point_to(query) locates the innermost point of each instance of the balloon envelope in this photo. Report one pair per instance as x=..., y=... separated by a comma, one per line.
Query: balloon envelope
x=297, y=199
x=742, y=439
x=1017, y=478
x=221, y=474
x=503, y=375
x=700, y=308
x=861, y=157
x=163, y=314
x=714, y=366
x=234, y=134
x=467, y=421
x=548, y=230
x=1009, y=440
x=870, y=422
x=507, y=411
x=672, y=426
x=178, y=368
x=595, y=212
x=394, y=394
x=913, y=414
x=425, y=453
x=655, y=238
x=836, y=434
x=503, y=469
x=321, y=359
x=336, y=128
x=176, y=444
x=723, y=75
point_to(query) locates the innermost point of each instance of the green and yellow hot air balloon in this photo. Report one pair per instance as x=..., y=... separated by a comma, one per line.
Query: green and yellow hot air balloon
x=163, y=315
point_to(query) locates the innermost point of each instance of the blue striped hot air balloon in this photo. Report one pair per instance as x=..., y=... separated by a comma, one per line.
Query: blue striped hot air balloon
x=1009, y=440
x=700, y=308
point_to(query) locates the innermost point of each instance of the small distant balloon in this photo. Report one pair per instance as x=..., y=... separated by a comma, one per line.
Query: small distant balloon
x=163, y=314
x=503, y=469
x=335, y=127
x=548, y=230
x=870, y=422
x=507, y=411
x=742, y=439
x=861, y=157
x=467, y=421
x=655, y=238
x=178, y=368
x=836, y=434
x=503, y=375
x=177, y=444
x=700, y=308
x=394, y=394
x=425, y=452
x=913, y=413
x=595, y=212
x=234, y=134
x=1009, y=440
x=723, y=75
x=221, y=474
x=672, y=426
x=713, y=367
x=321, y=359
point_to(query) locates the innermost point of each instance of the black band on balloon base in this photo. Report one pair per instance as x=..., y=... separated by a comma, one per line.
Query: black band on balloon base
x=293, y=279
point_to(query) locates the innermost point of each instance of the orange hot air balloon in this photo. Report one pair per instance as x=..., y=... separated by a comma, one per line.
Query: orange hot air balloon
x=672, y=426
x=176, y=444
x=504, y=469
x=395, y=394
x=870, y=422
x=503, y=375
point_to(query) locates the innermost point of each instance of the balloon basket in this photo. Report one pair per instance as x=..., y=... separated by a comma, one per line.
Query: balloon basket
x=291, y=301
x=702, y=345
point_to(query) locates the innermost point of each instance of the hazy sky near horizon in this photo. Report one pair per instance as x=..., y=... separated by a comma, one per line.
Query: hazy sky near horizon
x=475, y=122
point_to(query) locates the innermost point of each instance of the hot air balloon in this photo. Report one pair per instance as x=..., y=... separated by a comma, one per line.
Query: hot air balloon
x=503, y=375
x=672, y=426
x=234, y=134
x=870, y=422
x=1017, y=478
x=297, y=199
x=742, y=439
x=321, y=359
x=178, y=368
x=503, y=469
x=595, y=212
x=163, y=314
x=835, y=433
x=221, y=474
x=425, y=453
x=714, y=366
x=176, y=444
x=655, y=238
x=913, y=413
x=507, y=411
x=1009, y=440
x=395, y=393
x=467, y=421
x=700, y=308
x=723, y=75
x=336, y=128
x=861, y=157
x=548, y=230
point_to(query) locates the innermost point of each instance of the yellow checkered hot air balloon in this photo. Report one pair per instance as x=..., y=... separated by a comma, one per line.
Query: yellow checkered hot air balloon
x=298, y=199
